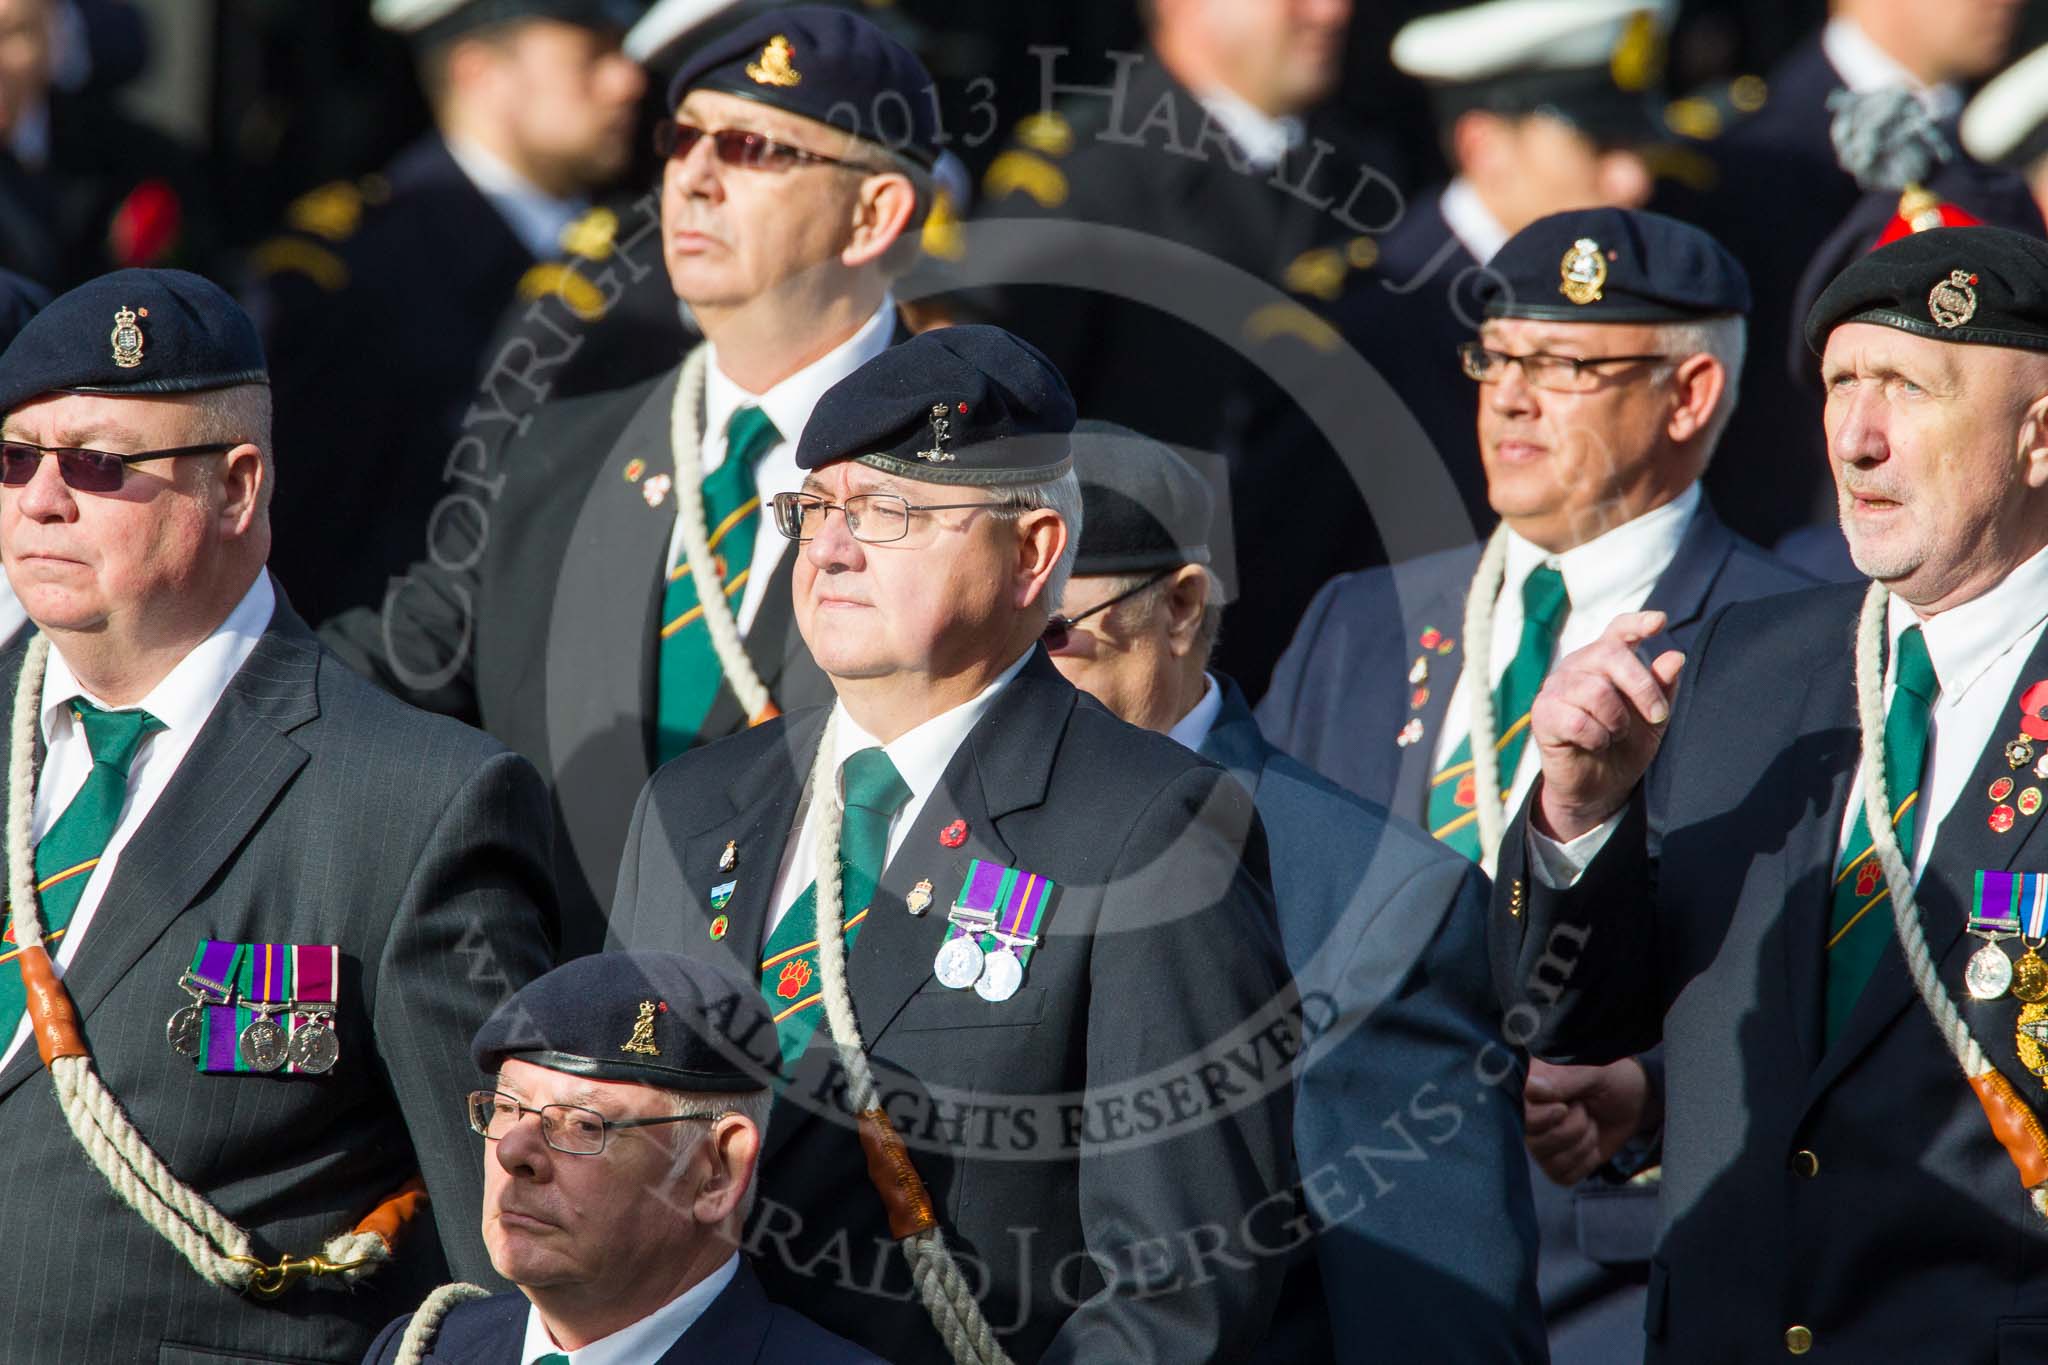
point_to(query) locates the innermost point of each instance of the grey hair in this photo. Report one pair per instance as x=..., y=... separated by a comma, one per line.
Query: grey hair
x=1211, y=628
x=236, y=414
x=1726, y=339
x=1061, y=495
x=753, y=1106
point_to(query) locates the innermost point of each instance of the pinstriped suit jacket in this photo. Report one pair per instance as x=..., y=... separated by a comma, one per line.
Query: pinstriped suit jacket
x=312, y=808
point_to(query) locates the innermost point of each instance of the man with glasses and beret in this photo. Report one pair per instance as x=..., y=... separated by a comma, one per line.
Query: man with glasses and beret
x=1606, y=370
x=622, y=1137
x=613, y=598
x=257, y=904
x=1020, y=956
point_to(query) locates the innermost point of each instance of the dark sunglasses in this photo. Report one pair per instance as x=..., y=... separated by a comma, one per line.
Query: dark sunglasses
x=1059, y=627
x=87, y=471
x=738, y=147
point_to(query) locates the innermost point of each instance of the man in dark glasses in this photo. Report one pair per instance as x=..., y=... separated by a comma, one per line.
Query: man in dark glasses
x=253, y=870
x=610, y=594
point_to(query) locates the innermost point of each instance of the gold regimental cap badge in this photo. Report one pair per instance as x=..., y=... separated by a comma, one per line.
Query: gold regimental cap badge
x=942, y=431
x=1583, y=272
x=127, y=338
x=642, y=1040
x=777, y=65
x=1952, y=302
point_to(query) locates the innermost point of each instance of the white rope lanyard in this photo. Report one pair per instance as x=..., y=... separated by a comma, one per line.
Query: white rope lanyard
x=1482, y=723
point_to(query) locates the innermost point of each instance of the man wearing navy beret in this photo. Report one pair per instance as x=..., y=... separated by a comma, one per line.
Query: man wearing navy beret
x=1606, y=370
x=1807, y=855
x=622, y=1129
x=564, y=616
x=1017, y=940
x=276, y=900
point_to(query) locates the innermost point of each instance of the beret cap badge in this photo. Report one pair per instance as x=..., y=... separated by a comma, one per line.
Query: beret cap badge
x=642, y=1041
x=1583, y=272
x=1952, y=302
x=127, y=339
x=777, y=65
x=942, y=429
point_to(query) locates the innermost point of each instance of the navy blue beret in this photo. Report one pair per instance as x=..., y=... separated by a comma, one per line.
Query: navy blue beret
x=967, y=405
x=1143, y=507
x=1614, y=265
x=135, y=333
x=1982, y=285
x=652, y=1018
x=825, y=64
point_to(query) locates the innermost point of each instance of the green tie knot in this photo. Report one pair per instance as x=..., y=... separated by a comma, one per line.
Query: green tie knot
x=114, y=736
x=870, y=782
x=1914, y=671
x=1544, y=600
x=749, y=432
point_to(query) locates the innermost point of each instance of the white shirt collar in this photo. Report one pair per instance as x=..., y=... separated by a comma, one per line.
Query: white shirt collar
x=789, y=402
x=536, y=217
x=190, y=691
x=1470, y=221
x=922, y=752
x=1965, y=641
x=1633, y=554
x=1194, y=727
x=1264, y=140
x=641, y=1342
x=1864, y=66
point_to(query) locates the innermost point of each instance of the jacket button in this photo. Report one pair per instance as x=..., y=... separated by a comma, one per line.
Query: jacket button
x=1798, y=1340
x=1805, y=1163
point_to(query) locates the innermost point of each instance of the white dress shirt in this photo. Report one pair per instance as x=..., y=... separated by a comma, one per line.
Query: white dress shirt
x=1977, y=650
x=1864, y=66
x=788, y=405
x=920, y=755
x=13, y=616
x=1194, y=727
x=182, y=701
x=640, y=1343
x=1470, y=221
x=1264, y=140
x=1608, y=575
x=536, y=217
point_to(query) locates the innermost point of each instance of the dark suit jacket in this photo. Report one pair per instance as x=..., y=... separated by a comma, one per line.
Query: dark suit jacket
x=539, y=621
x=1430, y=1253
x=311, y=809
x=739, y=1327
x=1076, y=1120
x=1341, y=693
x=1702, y=922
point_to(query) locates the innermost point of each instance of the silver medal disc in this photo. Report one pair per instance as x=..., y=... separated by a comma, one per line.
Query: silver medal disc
x=183, y=1030
x=263, y=1044
x=1000, y=977
x=314, y=1047
x=1989, y=974
x=958, y=964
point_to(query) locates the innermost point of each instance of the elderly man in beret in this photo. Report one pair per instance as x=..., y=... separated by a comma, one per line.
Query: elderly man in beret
x=622, y=1130
x=1380, y=922
x=1850, y=1003
x=564, y=610
x=1027, y=947
x=274, y=901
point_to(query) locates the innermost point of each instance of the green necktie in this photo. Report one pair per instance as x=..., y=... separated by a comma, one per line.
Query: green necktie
x=1859, y=915
x=789, y=960
x=688, y=669
x=70, y=849
x=552, y=1358
x=1453, y=798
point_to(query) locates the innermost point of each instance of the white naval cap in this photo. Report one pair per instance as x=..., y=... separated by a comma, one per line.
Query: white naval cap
x=2007, y=123
x=431, y=20
x=1506, y=37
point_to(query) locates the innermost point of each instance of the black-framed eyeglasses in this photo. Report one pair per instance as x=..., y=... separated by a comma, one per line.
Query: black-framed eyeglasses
x=739, y=147
x=1059, y=627
x=1557, y=373
x=871, y=518
x=88, y=471
x=568, y=1128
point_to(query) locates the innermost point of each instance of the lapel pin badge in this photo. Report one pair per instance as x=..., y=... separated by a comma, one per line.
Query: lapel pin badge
x=728, y=857
x=920, y=898
x=954, y=835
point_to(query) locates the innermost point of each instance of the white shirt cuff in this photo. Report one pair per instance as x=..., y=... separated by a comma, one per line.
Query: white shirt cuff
x=1559, y=865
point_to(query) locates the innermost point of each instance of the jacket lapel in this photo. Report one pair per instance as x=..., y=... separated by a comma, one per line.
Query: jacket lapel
x=732, y=1328
x=1435, y=613
x=241, y=760
x=1682, y=590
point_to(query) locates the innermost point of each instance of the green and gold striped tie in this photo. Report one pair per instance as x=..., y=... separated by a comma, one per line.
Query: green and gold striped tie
x=71, y=848
x=1859, y=916
x=1453, y=796
x=689, y=674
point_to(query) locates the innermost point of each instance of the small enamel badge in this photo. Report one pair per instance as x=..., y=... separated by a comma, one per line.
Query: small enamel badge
x=1952, y=302
x=954, y=835
x=1582, y=274
x=127, y=337
x=2030, y=800
x=920, y=898
x=942, y=431
x=777, y=65
x=635, y=467
x=718, y=928
x=642, y=1042
x=729, y=856
x=655, y=489
x=1418, y=672
x=721, y=894
x=1410, y=733
x=2000, y=789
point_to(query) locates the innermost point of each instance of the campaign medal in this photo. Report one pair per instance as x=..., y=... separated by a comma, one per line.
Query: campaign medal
x=263, y=1041
x=213, y=967
x=1024, y=900
x=959, y=961
x=314, y=1046
x=1001, y=975
x=266, y=990
x=1995, y=917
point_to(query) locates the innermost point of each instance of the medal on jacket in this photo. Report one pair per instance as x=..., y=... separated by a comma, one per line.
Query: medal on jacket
x=992, y=929
x=314, y=1045
x=208, y=983
x=1995, y=917
x=266, y=992
x=1023, y=905
x=960, y=958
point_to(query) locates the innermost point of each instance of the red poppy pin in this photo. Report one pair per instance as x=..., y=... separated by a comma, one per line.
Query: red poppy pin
x=954, y=835
x=2034, y=710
